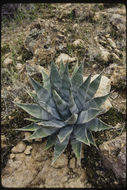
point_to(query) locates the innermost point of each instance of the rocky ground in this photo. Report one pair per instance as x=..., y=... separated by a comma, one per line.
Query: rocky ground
x=92, y=34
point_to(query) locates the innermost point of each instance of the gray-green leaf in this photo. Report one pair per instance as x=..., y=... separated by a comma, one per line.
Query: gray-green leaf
x=61, y=105
x=46, y=81
x=53, y=123
x=62, y=68
x=71, y=120
x=50, y=141
x=31, y=127
x=97, y=125
x=64, y=132
x=42, y=132
x=72, y=105
x=91, y=139
x=80, y=134
x=33, y=109
x=77, y=148
x=82, y=92
x=60, y=147
x=93, y=87
x=87, y=115
x=95, y=102
x=77, y=78
x=55, y=78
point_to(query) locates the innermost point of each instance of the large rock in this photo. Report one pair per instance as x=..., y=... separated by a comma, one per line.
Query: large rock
x=104, y=88
x=35, y=170
x=65, y=58
x=113, y=153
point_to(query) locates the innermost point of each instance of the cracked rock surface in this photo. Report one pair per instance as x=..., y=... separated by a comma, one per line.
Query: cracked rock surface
x=35, y=170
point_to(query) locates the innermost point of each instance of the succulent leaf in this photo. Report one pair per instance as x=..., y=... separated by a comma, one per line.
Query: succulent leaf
x=81, y=134
x=61, y=105
x=62, y=68
x=71, y=120
x=75, y=70
x=90, y=138
x=97, y=125
x=46, y=116
x=87, y=115
x=42, y=132
x=52, y=123
x=82, y=92
x=49, y=109
x=42, y=93
x=32, y=119
x=77, y=78
x=46, y=81
x=33, y=109
x=51, y=140
x=64, y=132
x=95, y=102
x=60, y=147
x=66, y=84
x=72, y=105
x=76, y=147
x=55, y=78
x=93, y=87
x=31, y=127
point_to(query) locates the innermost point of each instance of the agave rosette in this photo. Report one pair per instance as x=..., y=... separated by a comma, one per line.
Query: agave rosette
x=65, y=110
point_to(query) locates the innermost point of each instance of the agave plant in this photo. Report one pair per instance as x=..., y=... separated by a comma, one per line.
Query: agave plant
x=65, y=110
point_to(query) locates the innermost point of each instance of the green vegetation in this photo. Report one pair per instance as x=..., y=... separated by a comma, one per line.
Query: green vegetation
x=65, y=110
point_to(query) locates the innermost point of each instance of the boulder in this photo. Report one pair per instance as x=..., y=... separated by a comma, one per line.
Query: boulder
x=113, y=154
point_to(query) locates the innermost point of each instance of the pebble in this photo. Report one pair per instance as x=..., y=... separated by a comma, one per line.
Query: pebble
x=78, y=43
x=8, y=61
x=9, y=88
x=27, y=134
x=114, y=95
x=28, y=150
x=94, y=66
x=12, y=156
x=38, y=139
x=3, y=141
x=19, y=58
x=115, y=56
x=19, y=66
x=111, y=42
x=75, y=26
x=20, y=147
